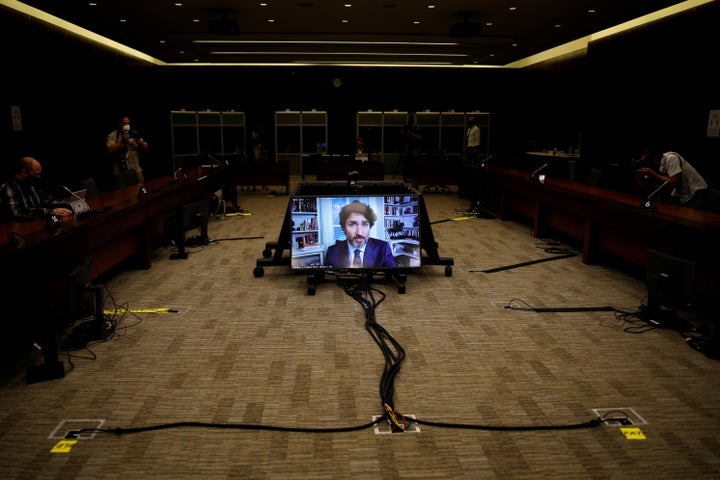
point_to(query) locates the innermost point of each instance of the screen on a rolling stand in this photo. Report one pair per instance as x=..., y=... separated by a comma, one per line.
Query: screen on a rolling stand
x=384, y=228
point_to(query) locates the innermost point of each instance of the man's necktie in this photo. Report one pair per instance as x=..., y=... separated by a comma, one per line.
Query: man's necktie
x=357, y=262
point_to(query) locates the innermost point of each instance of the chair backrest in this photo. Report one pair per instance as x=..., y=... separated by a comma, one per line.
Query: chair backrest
x=91, y=186
x=594, y=177
x=711, y=202
x=131, y=178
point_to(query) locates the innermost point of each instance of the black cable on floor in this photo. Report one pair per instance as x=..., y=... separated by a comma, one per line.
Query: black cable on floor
x=359, y=289
x=523, y=264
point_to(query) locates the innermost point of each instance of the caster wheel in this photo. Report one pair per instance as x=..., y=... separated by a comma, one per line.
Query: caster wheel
x=267, y=253
x=258, y=272
x=448, y=271
x=401, y=288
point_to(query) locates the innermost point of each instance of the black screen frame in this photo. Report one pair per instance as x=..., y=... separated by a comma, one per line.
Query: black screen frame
x=308, y=254
x=671, y=281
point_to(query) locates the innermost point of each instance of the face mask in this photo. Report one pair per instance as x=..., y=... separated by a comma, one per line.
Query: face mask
x=33, y=180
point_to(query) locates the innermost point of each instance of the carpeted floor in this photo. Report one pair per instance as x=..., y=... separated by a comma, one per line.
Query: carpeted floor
x=254, y=378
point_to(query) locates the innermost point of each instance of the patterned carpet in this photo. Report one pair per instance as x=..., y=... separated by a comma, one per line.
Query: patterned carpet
x=253, y=378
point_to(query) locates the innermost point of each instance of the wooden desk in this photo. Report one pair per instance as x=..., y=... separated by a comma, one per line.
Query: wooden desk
x=440, y=169
x=609, y=222
x=264, y=174
x=126, y=230
x=559, y=164
x=336, y=167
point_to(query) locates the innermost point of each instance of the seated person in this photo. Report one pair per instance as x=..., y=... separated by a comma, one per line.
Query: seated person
x=362, y=152
x=359, y=250
x=23, y=199
x=686, y=186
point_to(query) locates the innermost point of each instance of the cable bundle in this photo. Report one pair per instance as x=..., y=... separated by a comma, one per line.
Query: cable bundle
x=393, y=352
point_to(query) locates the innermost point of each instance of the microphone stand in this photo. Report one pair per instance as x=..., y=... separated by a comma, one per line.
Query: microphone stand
x=648, y=204
x=534, y=174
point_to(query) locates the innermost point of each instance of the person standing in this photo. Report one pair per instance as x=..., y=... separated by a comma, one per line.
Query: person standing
x=257, y=137
x=23, y=199
x=413, y=141
x=124, y=146
x=472, y=141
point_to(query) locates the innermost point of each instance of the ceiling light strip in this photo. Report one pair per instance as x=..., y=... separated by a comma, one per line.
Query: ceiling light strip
x=72, y=28
x=581, y=44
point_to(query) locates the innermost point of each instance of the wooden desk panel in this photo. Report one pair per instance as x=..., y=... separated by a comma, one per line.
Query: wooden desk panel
x=607, y=221
x=127, y=229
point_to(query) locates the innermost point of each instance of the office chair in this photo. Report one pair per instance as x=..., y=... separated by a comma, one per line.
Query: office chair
x=594, y=177
x=711, y=202
x=73, y=296
x=91, y=186
x=187, y=217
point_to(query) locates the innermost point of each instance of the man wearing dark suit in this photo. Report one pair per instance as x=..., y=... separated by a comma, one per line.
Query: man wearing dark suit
x=359, y=250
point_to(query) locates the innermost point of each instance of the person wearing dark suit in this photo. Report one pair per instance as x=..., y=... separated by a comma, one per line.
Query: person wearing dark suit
x=22, y=197
x=359, y=250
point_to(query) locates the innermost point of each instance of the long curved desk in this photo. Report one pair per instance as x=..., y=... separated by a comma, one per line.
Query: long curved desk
x=610, y=222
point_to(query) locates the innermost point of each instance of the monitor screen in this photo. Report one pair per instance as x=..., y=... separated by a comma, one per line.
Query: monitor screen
x=670, y=281
x=330, y=231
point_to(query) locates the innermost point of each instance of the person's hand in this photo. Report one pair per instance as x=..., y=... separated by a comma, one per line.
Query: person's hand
x=62, y=212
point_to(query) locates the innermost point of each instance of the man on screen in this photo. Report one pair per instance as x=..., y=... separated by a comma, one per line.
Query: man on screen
x=359, y=250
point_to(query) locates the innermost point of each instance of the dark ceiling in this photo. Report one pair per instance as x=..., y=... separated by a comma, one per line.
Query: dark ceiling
x=467, y=32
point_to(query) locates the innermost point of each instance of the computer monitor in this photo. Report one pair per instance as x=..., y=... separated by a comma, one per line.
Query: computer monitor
x=670, y=284
x=385, y=227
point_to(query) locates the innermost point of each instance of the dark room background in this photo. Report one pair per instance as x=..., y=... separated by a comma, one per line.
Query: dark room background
x=652, y=85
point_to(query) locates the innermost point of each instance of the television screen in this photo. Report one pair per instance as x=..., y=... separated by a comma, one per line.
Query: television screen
x=348, y=231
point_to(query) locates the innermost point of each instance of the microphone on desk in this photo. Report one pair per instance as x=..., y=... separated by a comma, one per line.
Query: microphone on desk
x=648, y=204
x=218, y=162
x=534, y=174
x=83, y=205
x=73, y=193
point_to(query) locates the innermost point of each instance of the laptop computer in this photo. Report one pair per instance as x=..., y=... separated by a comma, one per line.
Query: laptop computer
x=77, y=201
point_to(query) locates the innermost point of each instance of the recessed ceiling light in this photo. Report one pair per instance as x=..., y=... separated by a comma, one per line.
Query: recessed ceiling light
x=345, y=20
x=271, y=20
x=416, y=22
x=196, y=20
x=512, y=9
x=431, y=6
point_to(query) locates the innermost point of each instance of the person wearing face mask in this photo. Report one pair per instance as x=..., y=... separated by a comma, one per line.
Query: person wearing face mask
x=124, y=146
x=24, y=199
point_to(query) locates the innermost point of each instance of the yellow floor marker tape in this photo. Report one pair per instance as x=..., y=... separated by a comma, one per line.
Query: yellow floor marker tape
x=63, y=446
x=141, y=310
x=633, y=433
x=244, y=214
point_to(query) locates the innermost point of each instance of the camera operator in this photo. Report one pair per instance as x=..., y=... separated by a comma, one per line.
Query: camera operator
x=124, y=146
